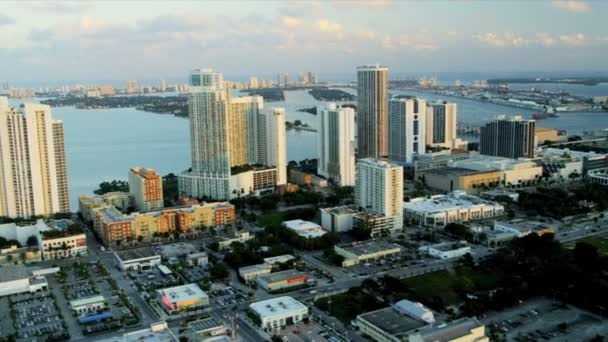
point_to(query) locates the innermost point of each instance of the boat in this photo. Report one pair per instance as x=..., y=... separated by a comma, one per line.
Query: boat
x=542, y=116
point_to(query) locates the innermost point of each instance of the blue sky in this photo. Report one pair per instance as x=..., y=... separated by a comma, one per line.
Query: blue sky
x=112, y=40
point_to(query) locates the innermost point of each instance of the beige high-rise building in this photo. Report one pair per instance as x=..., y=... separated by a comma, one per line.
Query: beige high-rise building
x=271, y=142
x=146, y=186
x=132, y=87
x=372, y=111
x=441, y=124
x=243, y=129
x=33, y=173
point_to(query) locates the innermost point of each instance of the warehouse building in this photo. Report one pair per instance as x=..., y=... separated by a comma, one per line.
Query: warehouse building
x=178, y=298
x=446, y=250
x=137, y=259
x=367, y=251
x=281, y=280
x=278, y=312
x=457, y=206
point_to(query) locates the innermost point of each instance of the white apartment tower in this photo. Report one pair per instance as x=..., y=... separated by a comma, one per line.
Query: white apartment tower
x=243, y=130
x=407, y=129
x=33, y=173
x=379, y=190
x=441, y=124
x=271, y=142
x=208, y=110
x=336, y=144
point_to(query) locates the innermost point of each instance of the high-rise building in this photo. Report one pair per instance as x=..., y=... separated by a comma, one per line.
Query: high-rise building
x=279, y=79
x=132, y=87
x=510, y=138
x=163, y=86
x=243, y=129
x=208, y=110
x=33, y=170
x=146, y=186
x=372, y=111
x=407, y=129
x=253, y=83
x=441, y=120
x=271, y=142
x=336, y=144
x=379, y=192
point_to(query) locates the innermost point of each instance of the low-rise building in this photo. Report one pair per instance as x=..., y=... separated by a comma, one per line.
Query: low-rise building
x=338, y=219
x=158, y=332
x=179, y=298
x=446, y=250
x=200, y=259
x=57, y=244
x=204, y=329
x=598, y=176
x=281, y=280
x=174, y=251
x=305, y=229
x=367, y=251
x=429, y=161
x=88, y=305
x=457, y=206
x=19, y=279
x=88, y=205
x=240, y=237
x=279, y=259
x=256, y=181
x=460, y=330
x=388, y=325
x=136, y=259
x=497, y=194
x=250, y=273
x=521, y=228
x=513, y=172
x=378, y=224
x=450, y=179
x=551, y=135
x=278, y=312
x=415, y=310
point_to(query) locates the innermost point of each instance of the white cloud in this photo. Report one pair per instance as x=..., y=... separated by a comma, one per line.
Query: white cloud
x=578, y=39
x=327, y=26
x=545, y=39
x=507, y=39
x=577, y=6
x=290, y=22
x=421, y=41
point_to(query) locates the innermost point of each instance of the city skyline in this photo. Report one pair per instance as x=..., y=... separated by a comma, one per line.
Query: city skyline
x=328, y=37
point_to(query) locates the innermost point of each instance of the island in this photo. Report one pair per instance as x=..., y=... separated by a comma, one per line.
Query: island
x=176, y=105
x=590, y=81
x=327, y=94
x=269, y=94
x=298, y=126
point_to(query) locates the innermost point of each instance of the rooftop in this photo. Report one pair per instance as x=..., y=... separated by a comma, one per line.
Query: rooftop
x=136, y=253
x=280, y=276
x=305, y=228
x=205, y=324
x=450, y=331
x=370, y=247
x=279, y=259
x=455, y=171
x=10, y=273
x=343, y=210
x=159, y=332
x=181, y=293
x=451, y=201
x=277, y=306
x=254, y=268
x=448, y=246
x=177, y=249
x=87, y=300
x=393, y=322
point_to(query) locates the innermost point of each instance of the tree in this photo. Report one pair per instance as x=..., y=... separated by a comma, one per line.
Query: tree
x=32, y=241
x=459, y=230
x=218, y=271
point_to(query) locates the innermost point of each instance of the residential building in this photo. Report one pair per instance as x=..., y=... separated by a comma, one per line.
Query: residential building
x=372, y=111
x=367, y=251
x=439, y=210
x=243, y=129
x=460, y=330
x=254, y=180
x=33, y=176
x=441, y=118
x=447, y=250
x=281, y=280
x=336, y=144
x=303, y=178
x=305, y=229
x=132, y=87
x=406, y=133
x=136, y=259
x=450, y=179
x=146, y=186
x=208, y=111
x=240, y=237
x=88, y=305
x=183, y=297
x=379, y=191
x=253, y=83
x=272, y=143
x=509, y=138
x=88, y=206
x=276, y=313
x=338, y=219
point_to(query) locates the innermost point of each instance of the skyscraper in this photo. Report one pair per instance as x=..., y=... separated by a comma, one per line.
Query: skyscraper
x=441, y=120
x=336, y=144
x=243, y=129
x=271, y=142
x=379, y=192
x=146, y=186
x=407, y=129
x=132, y=87
x=372, y=111
x=33, y=173
x=510, y=138
x=253, y=83
x=208, y=109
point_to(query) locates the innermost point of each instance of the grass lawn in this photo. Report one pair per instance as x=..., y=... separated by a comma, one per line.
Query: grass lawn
x=273, y=219
x=599, y=242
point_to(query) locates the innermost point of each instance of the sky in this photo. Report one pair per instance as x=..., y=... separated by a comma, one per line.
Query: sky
x=118, y=40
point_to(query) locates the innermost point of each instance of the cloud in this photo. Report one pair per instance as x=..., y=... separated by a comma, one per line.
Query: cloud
x=421, y=41
x=545, y=39
x=40, y=35
x=363, y=4
x=507, y=39
x=327, y=26
x=290, y=22
x=577, y=6
x=578, y=39
x=60, y=7
x=6, y=20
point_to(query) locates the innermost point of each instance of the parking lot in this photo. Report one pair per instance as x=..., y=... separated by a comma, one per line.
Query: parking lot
x=152, y=279
x=544, y=320
x=307, y=332
x=194, y=274
x=228, y=296
x=36, y=317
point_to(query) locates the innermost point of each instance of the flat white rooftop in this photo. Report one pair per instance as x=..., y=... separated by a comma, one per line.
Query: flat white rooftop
x=86, y=301
x=277, y=306
x=182, y=293
x=305, y=228
x=452, y=201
